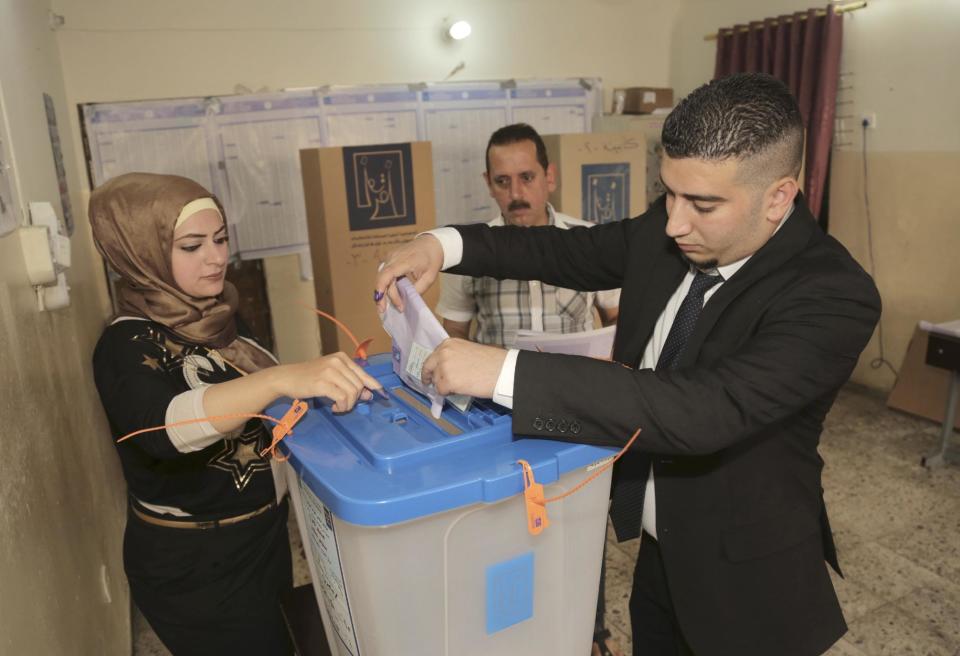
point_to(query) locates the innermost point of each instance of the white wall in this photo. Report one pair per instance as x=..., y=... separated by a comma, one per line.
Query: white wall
x=122, y=50
x=903, y=58
x=62, y=497
x=901, y=55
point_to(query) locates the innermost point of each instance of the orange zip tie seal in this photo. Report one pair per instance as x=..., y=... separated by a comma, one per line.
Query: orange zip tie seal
x=284, y=425
x=533, y=492
x=533, y=497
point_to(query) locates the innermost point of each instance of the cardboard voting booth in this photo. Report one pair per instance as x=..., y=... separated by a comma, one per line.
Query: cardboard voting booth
x=362, y=202
x=651, y=126
x=601, y=177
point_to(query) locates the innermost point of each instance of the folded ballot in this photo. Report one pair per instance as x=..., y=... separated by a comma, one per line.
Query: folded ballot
x=416, y=333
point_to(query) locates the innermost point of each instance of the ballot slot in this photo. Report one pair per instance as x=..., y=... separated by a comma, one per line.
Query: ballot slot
x=423, y=410
x=399, y=432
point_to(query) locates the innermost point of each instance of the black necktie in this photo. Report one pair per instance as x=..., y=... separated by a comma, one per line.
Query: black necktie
x=626, y=507
x=686, y=320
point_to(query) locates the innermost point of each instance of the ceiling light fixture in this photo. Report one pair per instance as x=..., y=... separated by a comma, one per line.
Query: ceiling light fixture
x=459, y=30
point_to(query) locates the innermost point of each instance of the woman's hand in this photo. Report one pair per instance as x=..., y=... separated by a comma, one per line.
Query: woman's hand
x=334, y=376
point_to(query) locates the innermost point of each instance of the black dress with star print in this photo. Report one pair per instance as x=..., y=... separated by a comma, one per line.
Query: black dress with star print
x=139, y=367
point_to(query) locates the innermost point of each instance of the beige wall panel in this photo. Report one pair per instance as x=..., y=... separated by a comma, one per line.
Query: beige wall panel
x=915, y=218
x=62, y=496
x=295, y=327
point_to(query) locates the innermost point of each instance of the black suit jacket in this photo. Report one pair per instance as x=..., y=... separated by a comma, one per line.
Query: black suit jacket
x=732, y=433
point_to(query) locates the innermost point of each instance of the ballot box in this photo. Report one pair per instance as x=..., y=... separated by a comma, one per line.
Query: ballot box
x=415, y=528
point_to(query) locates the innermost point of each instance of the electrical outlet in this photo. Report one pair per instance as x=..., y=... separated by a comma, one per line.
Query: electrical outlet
x=868, y=119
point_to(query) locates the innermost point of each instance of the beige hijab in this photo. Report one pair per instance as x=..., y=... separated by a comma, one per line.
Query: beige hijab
x=133, y=218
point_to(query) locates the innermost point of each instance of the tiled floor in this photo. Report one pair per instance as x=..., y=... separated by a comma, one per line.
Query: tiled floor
x=897, y=528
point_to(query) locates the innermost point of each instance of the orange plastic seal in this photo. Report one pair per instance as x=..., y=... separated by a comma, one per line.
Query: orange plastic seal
x=361, y=352
x=533, y=496
x=285, y=427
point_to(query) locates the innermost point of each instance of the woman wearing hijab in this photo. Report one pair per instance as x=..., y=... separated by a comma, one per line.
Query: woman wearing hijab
x=205, y=548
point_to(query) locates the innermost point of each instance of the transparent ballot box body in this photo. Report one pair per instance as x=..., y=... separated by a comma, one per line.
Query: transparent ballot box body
x=416, y=535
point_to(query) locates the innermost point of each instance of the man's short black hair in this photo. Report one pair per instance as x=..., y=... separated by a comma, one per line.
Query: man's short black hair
x=510, y=134
x=748, y=116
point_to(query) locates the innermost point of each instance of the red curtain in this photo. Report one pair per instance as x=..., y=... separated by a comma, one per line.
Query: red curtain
x=802, y=50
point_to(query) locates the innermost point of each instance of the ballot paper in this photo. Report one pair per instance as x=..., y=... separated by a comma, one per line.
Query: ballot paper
x=416, y=333
x=591, y=343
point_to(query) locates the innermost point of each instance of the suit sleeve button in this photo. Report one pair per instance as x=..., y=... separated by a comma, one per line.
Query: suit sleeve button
x=562, y=425
x=575, y=427
x=538, y=423
x=550, y=425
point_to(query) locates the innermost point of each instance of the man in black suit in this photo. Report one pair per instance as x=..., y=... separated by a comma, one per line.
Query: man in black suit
x=739, y=322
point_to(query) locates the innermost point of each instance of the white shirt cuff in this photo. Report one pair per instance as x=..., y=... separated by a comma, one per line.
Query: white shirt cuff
x=503, y=392
x=452, y=244
x=190, y=437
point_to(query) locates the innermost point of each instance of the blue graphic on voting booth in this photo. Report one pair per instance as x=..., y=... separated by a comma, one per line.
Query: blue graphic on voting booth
x=605, y=192
x=379, y=186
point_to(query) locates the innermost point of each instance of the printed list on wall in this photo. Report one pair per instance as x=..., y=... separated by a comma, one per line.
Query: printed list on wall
x=245, y=149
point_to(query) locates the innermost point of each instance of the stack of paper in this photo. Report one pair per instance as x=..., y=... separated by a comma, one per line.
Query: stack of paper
x=591, y=343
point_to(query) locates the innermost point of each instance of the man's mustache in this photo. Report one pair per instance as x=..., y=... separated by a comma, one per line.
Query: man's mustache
x=518, y=205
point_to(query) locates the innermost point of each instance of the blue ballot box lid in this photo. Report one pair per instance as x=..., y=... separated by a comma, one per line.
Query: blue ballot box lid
x=389, y=461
